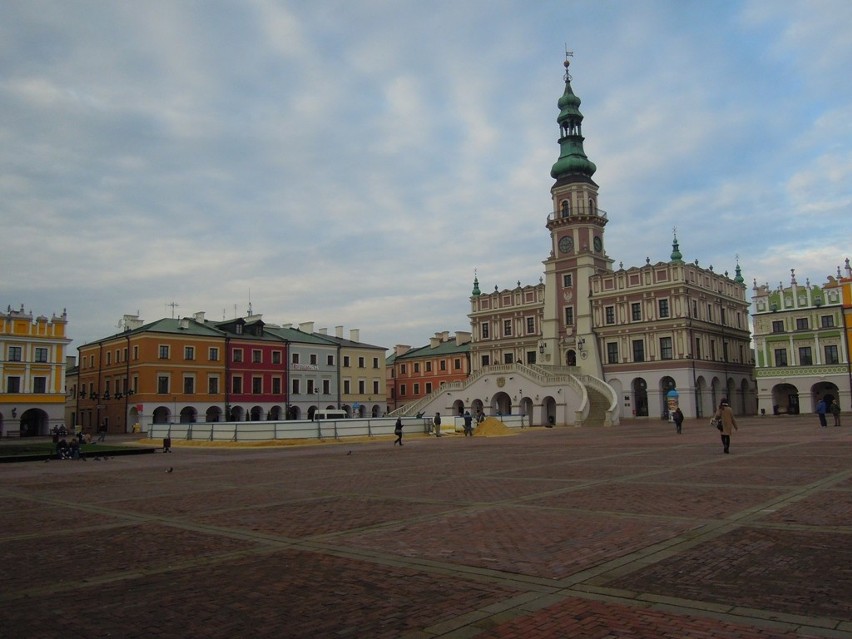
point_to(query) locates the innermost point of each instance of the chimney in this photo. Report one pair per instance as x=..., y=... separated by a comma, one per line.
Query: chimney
x=199, y=317
x=183, y=323
x=401, y=349
x=435, y=342
x=338, y=331
x=132, y=322
x=355, y=335
x=462, y=337
x=306, y=327
x=323, y=331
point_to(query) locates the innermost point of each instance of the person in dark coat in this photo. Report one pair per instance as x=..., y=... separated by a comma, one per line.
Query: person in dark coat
x=397, y=430
x=677, y=416
x=468, y=424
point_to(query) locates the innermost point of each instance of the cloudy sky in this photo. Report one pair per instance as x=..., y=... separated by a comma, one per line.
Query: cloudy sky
x=354, y=162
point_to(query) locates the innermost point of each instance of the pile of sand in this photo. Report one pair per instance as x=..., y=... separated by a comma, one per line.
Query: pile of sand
x=492, y=427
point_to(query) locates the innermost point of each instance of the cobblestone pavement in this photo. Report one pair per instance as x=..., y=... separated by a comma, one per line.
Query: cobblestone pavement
x=594, y=533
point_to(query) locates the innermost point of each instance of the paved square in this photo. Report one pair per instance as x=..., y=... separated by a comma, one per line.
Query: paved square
x=631, y=531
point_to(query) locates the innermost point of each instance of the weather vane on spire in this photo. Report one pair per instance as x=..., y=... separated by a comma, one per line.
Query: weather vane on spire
x=568, y=54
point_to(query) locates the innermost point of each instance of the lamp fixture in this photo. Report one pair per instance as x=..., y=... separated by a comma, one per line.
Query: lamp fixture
x=541, y=346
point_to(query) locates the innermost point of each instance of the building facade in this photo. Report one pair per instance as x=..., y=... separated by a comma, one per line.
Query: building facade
x=194, y=370
x=592, y=344
x=415, y=373
x=32, y=372
x=801, y=339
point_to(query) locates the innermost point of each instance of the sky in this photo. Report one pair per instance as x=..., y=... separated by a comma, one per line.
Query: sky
x=355, y=163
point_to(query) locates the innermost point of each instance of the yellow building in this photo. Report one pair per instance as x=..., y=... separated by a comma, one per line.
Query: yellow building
x=32, y=372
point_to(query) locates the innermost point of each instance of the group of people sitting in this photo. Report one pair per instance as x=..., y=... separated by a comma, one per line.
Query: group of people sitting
x=72, y=449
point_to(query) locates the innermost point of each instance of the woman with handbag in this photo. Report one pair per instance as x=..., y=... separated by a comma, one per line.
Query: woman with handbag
x=727, y=423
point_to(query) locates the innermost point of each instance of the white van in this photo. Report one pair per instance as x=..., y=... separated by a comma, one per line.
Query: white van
x=329, y=413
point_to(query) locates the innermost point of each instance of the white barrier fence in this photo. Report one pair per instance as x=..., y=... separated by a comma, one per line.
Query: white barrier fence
x=303, y=429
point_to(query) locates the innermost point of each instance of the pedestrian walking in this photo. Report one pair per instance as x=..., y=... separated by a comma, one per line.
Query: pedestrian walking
x=821, y=410
x=436, y=421
x=835, y=411
x=468, y=424
x=677, y=416
x=397, y=430
x=729, y=423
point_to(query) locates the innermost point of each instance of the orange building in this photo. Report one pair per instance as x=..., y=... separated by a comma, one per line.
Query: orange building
x=167, y=370
x=417, y=373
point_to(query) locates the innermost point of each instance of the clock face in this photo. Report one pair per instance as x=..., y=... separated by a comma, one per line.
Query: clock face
x=598, y=244
x=566, y=245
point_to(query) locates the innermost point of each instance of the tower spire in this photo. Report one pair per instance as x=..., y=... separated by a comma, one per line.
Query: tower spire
x=572, y=165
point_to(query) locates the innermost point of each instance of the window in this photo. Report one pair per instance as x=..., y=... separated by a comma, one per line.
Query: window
x=189, y=352
x=778, y=326
x=638, y=350
x=276, y=385
x=609, y=314
x=362, y=363
x=329, y=360
x=569, y=316
x=403, y=369
x=164, y=351
x=213, y=354
x=238, y=355
x=257, y=385
x=443, y=364
x=827, y=321
x=612, y=352
x=188, y=385
x=428, y=367
x=376, y=387
x=297, y=389
x=402, y=390
x=664, y=308
x=326, y=387
x=15, y=353
x=311, y=387
x=665, y=348
x=109, y=358
x=568, y=280
x=237, y=385
x=39, y=384
x=313, y=359
x=486, y=360
x=801, y=323
x=295, y=358
x=163, y=384
x=375, y=362
x=13, y=384
x=346, y=387
x=636, y=311
x=256, y=356
x=695, y=309
x=213, y=385
x=135, y=352
x=457, y=363
x=507, y=328
x=831, y=356
x=483, y=329
x=530, y=325
x=780, y=356
x=41, y=355
x=508, y=358
x=697, y=348
x=346, y=363
x=805, y=358
x=531, y=357
x=428, y=388
x=276, y=357
x=416, y=367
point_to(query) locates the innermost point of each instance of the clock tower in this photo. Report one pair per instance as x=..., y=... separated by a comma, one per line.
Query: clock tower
x=576, y=226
